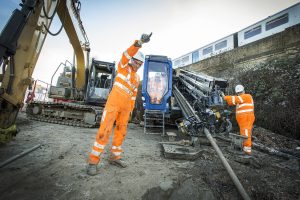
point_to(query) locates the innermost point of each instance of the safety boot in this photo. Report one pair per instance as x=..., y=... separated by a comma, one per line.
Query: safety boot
x=119, y=163
x=247, y=155
x=92, y=170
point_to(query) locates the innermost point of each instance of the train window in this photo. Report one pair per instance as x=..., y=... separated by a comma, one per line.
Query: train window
x=195, y=56
x=277, y=21
x=207, y=50
x=221, y=45
x=185, y=59
x=177, y=62
x=252, y=32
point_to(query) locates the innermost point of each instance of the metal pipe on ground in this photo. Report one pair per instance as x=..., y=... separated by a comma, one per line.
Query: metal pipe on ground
x=273, y=151
x=19, y=155
x=266, y=149
x=231, y=173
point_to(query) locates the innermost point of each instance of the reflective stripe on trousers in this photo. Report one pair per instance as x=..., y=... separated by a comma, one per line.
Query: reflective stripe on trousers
x=116, y=152
x=245, y=122
x=116, y=109
x=247, y=149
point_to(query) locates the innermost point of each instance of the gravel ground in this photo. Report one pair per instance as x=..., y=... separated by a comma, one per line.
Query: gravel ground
x=57, y=169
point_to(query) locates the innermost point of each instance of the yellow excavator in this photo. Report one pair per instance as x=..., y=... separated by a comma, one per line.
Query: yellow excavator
x=21, y=42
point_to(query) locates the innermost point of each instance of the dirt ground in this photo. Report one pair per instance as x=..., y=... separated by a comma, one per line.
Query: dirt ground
x=57, y=169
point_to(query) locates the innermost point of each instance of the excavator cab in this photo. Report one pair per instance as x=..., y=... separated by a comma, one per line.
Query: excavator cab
x=62, y=91
x=99, y=78
x=74, y=106
x=99, y=82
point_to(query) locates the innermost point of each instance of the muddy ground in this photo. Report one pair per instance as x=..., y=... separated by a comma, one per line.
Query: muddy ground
x=57, y=169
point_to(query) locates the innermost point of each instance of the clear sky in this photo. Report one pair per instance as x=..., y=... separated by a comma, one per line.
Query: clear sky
x=178, y=26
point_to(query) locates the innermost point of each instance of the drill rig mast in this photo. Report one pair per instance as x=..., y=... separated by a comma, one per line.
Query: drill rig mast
x=198, y=96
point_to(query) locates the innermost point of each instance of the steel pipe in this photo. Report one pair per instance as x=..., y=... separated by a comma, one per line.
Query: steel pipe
x=231, y=173
x=19, y=155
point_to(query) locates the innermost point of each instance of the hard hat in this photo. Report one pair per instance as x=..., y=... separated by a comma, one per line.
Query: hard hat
x=139, y=56
x=239, y=88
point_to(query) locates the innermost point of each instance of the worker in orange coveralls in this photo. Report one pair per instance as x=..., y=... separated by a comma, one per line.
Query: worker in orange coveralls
x=119, y=105
x=244, y=114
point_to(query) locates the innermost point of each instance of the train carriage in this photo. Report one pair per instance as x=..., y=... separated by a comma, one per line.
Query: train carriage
x=262, y=29
x=270, y=26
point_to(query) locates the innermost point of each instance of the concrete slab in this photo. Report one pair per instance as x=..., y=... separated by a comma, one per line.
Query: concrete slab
x=171, y=136
x=180, y=152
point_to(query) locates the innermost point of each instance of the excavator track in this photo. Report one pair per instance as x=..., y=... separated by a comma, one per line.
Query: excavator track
x=71, y=114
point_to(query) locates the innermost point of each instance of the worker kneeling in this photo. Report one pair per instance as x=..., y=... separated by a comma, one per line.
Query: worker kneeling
x=119, y=105
x=244, y=114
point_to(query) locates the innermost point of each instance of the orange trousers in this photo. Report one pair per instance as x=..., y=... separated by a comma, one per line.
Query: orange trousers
x=117, y=109
x=245, y=122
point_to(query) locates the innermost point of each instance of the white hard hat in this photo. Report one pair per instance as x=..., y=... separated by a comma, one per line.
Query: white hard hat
x=239, y=88
x=139, y=56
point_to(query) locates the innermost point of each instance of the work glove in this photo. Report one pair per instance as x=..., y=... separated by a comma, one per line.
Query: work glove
x=144, y=39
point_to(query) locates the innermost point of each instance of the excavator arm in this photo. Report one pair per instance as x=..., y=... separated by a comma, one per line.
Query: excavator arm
x=21, y=42
x=69, y=16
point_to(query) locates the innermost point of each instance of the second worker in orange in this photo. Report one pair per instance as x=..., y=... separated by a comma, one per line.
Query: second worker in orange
x=244, y=114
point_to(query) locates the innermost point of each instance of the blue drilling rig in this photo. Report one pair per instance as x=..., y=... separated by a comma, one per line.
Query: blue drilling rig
x=156, y=90
x=157, y=83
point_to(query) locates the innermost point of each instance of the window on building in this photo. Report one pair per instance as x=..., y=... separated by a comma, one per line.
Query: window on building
x=207, y=50
x=277, y=21
x=195, y=56
x=221, y=45
x=185, y=59
x=252, y=32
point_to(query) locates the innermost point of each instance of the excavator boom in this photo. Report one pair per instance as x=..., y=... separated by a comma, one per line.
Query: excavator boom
x=21, y=42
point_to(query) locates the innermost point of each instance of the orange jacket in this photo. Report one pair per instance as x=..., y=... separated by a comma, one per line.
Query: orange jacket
x=244, y=103
x=127, y=79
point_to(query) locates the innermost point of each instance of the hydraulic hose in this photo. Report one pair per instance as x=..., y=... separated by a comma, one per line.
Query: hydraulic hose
x=45, y=12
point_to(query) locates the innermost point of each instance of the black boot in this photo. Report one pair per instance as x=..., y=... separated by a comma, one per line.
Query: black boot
x=92, y=170
x=119, y=163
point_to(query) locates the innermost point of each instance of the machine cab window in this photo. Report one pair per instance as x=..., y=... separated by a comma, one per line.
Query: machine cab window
x=157, y=84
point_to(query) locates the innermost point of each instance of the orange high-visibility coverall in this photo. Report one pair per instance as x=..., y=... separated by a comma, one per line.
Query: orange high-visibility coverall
x=119, y=104
x=244, y=116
